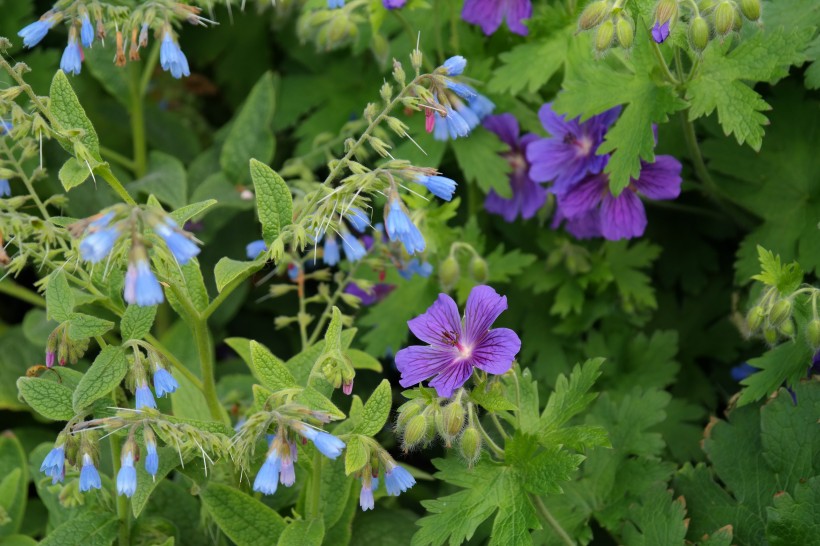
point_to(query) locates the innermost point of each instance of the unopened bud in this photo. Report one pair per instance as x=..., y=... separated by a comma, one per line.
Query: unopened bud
x=407, y=412
x=478, y=269
x=453, y=418
x=470, y=445
x=398, y=73
x=699, y=34
x=770, y=335
x=755, y=318
x=448, y=272
x=780, y=312
x=593, y=15
x=724, y=18
x=415, y=431
x=604, y=36
x=738, y=21
x=750, y=9
x=625, y=32
x=813, y=334
x=787, y=328
x=666, y=10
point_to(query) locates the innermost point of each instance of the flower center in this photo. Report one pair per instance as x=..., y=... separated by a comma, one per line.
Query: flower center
x=452, y=338
x=583, y=144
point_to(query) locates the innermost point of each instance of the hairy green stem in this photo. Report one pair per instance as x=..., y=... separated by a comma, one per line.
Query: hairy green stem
x=148, y=69
x=21, y=173
x=662, y=63
x=498, y=426
x=11, y=288
x=116, y=185
x=117, y=157
x=122, y=501
x=137, y=116
x=545, y=514
x=205, y=348
x=315, y=487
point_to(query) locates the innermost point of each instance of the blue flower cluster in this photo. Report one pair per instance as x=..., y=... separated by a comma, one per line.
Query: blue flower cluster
x=464, y=108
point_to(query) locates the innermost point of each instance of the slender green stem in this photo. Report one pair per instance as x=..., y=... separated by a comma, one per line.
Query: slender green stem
x=122, y=501
x=11, y=288
x=662, y=63
x=116, y=185
x=227, y=291
x=204, y=347
x=183, y=369
x=148, y=70
x=137, y=125
x=315, y=487
x=302, y=317
x=117, y=157
x=498, y=426
x=545, y=514
x=437, y=20
x=330, y=303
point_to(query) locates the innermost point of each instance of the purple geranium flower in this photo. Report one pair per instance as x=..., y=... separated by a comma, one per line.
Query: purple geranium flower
x=393, y=4
x=456, y=347
x=527, y=195
x=660, y=32
x=621, y=217
x=569, y=153
x=488, y=14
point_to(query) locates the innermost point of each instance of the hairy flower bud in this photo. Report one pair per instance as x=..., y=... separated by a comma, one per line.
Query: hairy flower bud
x=593, y=15
x=787, y=329
x=666, y=11
x=625, y=32
x=406, y=412
x=415, y=432
x=448, y=272
x=750, y=9
x=813, y=334
x=724, y=18
x=470, y=445
x=604, y=36
x=453, y=418
x=698, y=34
x=478, y=270
x=755, y=318
x=770, y=335
x=780, y=312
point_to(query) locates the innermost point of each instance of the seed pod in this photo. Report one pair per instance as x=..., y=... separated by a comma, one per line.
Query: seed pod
x=813, y=334
x=755, y=318
x=448, y=272
x=593, y=15
x=724, y=18
x=699, y=35
x=470, y=445
x=750, y=9
x=625, y=32
x=780, y=312
x=478, y=269
x=415, y=431
x=604, y=36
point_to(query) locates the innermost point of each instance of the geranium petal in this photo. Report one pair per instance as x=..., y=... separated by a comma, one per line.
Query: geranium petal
x=485, y=13
x=441, y=317
x=496, y=352
x=452, y=378
x=505, y=126
x=483, y=307
x=418, y=363
x=661, y=179
x=622, y=217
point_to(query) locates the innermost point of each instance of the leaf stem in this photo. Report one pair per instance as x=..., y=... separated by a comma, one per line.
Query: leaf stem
x=116, y=185
x=315, y=487
x=21, y=173
x=117, y=157
x=204, y=347
x=545, y=514
x=656, y=50
x=498, y=426
x=11, y=288
x=137, y=123
x=497, y=451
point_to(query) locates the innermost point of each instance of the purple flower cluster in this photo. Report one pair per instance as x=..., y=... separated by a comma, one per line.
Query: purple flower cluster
x=488, y=14
x=568, y=159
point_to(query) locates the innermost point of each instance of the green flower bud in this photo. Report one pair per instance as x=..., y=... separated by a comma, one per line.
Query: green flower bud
x=604, y=36
x=478, y=269
x=780, y=312
x=453, y=418
x=448, y=272
x=813, y=334
x=755, y=318
x=770, y=335
x=738, y=21
x=724, y=18
x=699, y=35
x=787, y=328
x=750, y=9
x=625, y=32
x=593, y=15
x=406, y=412
x=415, y=432
x=470, y=445
x=666, y=10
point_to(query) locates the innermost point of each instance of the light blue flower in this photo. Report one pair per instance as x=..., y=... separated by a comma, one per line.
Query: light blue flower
x=481, y=105
x=327, y=444
x=89, y=477
x=335, y=4
x=461, y=89
x=180, y=246
x=36, y=31
x=255, y=248
x=401, y=228
x=171, y=57
x=330, y=254
x=398, y=480
x=97, y=245
x=141, y=285
x=455, y=65
x=358, y=219
x=127, y=476
x=72, y=61
x=440, y=186
x=5, y=188
x=414, y=267
x=267, y=480
x=54, y=464
x=86, y=31
x=144, y=397
x=164, y=382
x=451, y=126
x=369, y=484
x=152, y=458
x=353, y=248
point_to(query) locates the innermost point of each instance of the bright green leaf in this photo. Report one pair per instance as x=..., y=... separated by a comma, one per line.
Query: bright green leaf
x=105, y=373
x=49, y=399
x=245, y=520
x=274, y=204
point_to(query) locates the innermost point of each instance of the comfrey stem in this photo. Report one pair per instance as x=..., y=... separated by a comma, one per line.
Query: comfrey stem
x=11, y=288
x=545, y=514
x=331, y=302
x=137, y=124
x=206, y=364
x=315, y=487
x=122, y=501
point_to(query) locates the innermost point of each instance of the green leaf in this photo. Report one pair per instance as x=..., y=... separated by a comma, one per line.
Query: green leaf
x=363, y=361
x=336, y=488
x=376, y=410
x=795, y=519
x=146, y=484
x=657, y=520
x=356, y=455
x=14, y=476
x=165, y=178
x=227, y=271
x=722, y=82
x=531, y=65
x=480, y=160
x=317, y=401
x=82, y=326
x=105, y=373
x=89, y=528
x=303, y=533
x=245, y=520
x=274, y=204
x=250, y=134
x=491, y=396
x=59, y=298
x=49, y=399
x=187, y=212
x=69, y=113
x=592, y=87
x=137, y=321
x=73, y=173
x=333, y=334
x=786, y=278
x=786, y=362
x=300, y=365
x=269, y=370
x=571, y=396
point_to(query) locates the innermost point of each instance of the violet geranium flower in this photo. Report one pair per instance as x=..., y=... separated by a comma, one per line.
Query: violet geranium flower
x=488, y=14
x=569, y=153
x=621, y=217
x=660, y=32
x=527, y=195
x=456, y=347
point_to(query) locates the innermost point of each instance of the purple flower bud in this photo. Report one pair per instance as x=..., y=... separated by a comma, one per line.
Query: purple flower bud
x=660, y=32
x=50, y=359
x=347, y=387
